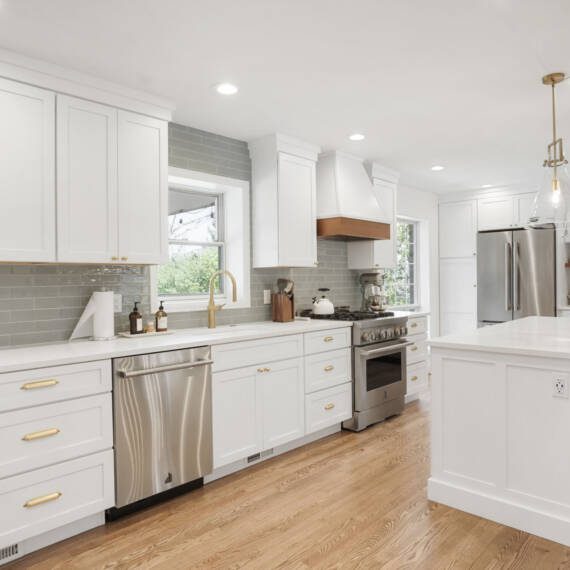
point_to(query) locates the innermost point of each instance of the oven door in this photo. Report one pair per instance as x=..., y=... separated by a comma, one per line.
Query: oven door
x=379, y=373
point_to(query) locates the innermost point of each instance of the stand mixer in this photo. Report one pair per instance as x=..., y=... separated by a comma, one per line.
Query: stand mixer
x=373, y=297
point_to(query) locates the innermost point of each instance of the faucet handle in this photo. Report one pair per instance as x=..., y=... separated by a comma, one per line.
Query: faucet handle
x=218, y=307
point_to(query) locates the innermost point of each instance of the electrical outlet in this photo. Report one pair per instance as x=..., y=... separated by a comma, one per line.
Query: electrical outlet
x=560, y=388
x=118, y=303
x=267, y=296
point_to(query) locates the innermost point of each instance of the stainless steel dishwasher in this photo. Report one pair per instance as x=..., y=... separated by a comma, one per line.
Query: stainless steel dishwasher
x=162, y=408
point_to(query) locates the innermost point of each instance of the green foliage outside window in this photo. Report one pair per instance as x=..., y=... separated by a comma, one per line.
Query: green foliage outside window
x=400, y=282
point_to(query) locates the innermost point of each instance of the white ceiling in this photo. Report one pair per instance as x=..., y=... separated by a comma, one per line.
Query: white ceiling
x=452, y=82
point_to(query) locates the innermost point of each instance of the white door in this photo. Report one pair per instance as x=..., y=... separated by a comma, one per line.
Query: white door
x=283, y=396
x=143, y=188
x=86, y=181
x=457, y=229
x=297, y=211
x=496, y=213
x=236, y=415
x=524, y=207
x=458, y=295
x=27, y=173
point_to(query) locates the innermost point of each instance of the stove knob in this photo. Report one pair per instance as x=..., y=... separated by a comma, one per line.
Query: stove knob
x=365, y=336
x=390, y=333
x=383, y=334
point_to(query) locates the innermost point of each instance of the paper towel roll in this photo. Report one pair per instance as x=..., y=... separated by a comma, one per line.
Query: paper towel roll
x=98, y=318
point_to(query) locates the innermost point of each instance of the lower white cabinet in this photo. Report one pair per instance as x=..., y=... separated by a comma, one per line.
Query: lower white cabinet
x=328, y=407
x=458, y=295
x=417, y=357
x=44, y=499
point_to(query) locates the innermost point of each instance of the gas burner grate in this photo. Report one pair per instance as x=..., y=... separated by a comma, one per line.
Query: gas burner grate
x=347, y=315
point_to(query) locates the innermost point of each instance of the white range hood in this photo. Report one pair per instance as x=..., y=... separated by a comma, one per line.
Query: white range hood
x=346, y=200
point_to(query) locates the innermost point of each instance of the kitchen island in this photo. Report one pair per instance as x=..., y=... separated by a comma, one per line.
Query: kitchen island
x=501, y=424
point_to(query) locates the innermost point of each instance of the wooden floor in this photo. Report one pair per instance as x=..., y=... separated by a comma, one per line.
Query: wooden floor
x=348, y=501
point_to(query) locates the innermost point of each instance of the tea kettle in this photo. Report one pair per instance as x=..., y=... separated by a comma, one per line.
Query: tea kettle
x=322, y=305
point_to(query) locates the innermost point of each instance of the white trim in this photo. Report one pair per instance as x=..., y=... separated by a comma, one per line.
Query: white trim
x=70, y=82
x=497, y=191
x=236, y=239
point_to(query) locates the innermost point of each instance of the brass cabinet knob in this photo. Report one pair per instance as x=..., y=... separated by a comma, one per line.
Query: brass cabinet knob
x=328, y=368
x=329, y=406
x=413, y=378
x=414, y=325
x=114, y=258
x=124, y=258
x=328, y=338
x=413, y=348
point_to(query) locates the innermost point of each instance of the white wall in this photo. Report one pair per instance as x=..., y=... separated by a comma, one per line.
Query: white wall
x=422, y=206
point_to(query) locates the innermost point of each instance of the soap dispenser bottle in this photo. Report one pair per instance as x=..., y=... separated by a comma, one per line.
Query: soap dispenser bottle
x=135, y=320
x=161, y=319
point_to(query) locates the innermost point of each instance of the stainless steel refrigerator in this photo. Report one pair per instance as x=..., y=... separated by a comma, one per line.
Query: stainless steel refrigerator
x=516, y=274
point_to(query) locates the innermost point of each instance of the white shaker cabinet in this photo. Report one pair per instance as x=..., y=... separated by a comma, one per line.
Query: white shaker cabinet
x=142, y=188
x=458, y=295
x=284, y=202
x=27, y=173
x=87, y=228
x=283, y=396
x=504, y=212
x=524, y=205
x=458, y=229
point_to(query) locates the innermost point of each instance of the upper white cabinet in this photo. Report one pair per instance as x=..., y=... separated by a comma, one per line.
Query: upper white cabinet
x=142, y=188
x=87, y=229
x=458, y=229
x=374, y=254
x=27, y=173
x=503, y=212
x=284, y=202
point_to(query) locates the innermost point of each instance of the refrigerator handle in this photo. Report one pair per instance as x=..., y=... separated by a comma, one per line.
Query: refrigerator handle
x=508, y=277
x=517, y=277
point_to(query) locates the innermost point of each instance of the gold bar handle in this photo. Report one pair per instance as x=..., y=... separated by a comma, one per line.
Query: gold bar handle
x=39, y=384
x=264, y=369
x=328, y=338
x=329, y=368
x=40, y=434
x=329, y=406
x=413, y=378
x=41, y=500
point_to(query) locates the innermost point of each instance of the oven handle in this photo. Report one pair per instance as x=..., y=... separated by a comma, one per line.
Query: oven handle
x=391, y=348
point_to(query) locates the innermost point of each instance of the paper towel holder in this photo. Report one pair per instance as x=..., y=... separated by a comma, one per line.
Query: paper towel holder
x=98, y=318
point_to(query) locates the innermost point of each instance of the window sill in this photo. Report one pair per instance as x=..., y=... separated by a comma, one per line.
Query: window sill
x=173, y=305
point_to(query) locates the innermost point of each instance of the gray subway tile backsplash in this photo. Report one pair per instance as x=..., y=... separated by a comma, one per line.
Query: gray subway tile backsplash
x=41, y=303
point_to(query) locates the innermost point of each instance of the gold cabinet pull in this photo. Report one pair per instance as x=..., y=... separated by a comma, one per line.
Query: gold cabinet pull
x=41, y=500
x=328, y=338
x=413, y=348
x=114, y=258
x=329, y=368
x=39, y=384
x=264, y=369
x=413, y=378
x=329, y=406
x=40, y=434
x=124, y=258
x=414, y=325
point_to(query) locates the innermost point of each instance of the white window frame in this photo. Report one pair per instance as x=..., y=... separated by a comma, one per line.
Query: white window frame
x=235, y=199
x=417, y=263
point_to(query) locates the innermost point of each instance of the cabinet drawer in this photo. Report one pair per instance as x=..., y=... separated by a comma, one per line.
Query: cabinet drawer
x=322, y=341
x=45, y=385
x=417, y=351
x=253, y=352
x=43, y=435
x=417, y=325
x=327, y=369
x=44, y=499
x=328, y=407
x=417, y=378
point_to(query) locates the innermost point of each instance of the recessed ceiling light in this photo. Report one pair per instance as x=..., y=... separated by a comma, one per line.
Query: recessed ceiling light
x=226, y=88
x=356, y=137
x=437, y=167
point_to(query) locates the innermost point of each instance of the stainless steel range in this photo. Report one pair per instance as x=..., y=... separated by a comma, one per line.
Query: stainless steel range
x=378, y=365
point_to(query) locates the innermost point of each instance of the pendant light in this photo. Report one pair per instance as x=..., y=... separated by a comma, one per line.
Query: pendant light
x=550, y=202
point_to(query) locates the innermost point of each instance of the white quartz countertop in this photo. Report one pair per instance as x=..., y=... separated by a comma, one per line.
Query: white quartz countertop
x=531, y=336
x=39, y=356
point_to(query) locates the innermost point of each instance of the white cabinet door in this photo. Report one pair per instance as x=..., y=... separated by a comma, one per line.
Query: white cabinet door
x=237, y=415
x=524, y=206
x=86, y=181
x=27, y=173
x=457, y=229
x=373, y=254
x=297, y=242
x=142, y=188
x=283, y=395
x=458, y=295
x=496, y=213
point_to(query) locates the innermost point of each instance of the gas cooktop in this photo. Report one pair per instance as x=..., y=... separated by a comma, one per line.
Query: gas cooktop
x=348, y=315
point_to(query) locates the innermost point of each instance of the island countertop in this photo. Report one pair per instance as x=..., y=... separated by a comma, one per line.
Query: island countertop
x=531, y=336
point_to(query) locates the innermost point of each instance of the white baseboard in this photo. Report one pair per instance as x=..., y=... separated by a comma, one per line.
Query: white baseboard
x=242, y=463
x=501, y=510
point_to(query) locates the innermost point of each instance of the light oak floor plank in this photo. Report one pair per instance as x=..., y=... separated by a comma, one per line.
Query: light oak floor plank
x=347, y=501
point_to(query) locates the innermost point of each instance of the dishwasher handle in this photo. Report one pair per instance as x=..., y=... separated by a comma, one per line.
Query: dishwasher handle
x=167, y=368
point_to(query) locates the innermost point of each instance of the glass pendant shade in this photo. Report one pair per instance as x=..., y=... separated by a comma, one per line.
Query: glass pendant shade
x=550, y=204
